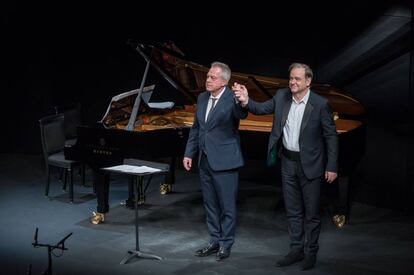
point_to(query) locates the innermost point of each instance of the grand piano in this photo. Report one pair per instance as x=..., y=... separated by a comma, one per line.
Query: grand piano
x=132, y=128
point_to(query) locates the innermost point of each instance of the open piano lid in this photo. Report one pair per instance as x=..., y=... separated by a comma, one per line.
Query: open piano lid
x=189, y=78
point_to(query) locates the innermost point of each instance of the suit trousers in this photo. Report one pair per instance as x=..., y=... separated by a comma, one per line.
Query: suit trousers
x=302, y=203
x=219, y=189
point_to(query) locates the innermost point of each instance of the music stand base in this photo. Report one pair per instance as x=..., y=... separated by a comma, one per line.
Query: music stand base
x=139, y=254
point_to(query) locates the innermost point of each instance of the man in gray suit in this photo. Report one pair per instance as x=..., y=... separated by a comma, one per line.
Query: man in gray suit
x=215, y=137
x=304, y=136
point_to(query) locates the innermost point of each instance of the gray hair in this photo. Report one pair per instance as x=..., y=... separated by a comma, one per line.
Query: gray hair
x=308, y=70
x=225, y=70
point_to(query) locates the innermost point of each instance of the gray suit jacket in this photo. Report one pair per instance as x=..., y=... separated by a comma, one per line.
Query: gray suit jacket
x=219, y=137
x=318, y=139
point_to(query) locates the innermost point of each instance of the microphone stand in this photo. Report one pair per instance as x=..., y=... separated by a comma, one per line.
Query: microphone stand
x=60, y=245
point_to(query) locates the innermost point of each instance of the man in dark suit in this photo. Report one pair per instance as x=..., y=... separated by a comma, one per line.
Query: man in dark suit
x=215, y=137
x=304, y=136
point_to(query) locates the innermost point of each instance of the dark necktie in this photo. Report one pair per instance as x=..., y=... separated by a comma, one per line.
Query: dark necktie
x=213, y=103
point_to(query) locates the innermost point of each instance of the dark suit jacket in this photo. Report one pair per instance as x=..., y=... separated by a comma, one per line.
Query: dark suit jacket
x=219, y=136
x=318, y=139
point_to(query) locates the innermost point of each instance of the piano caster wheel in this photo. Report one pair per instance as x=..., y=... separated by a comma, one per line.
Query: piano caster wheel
x=339, y=220
x=165, y=188
x=97, y=218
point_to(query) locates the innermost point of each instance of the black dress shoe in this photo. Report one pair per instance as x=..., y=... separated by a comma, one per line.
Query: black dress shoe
x=309, y=261
x=223, y=253
x=208, y=250
x=290, y=258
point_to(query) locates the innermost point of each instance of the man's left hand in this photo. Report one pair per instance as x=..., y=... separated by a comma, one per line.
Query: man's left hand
x=330, y=176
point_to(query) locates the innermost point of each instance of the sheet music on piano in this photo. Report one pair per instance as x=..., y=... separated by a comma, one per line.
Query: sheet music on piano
x=161, y=105
x=120, y=103
x=146, y=96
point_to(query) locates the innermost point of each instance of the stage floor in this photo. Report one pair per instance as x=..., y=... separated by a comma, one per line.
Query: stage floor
x=375, y=241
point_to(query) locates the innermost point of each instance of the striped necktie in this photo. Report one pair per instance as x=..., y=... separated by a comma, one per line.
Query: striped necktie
x=213, y=103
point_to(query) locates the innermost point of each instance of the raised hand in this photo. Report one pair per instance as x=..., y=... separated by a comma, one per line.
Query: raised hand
x=241, y=93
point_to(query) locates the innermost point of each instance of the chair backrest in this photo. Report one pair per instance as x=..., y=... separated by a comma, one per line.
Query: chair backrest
x=52, y=134
x=72, y=115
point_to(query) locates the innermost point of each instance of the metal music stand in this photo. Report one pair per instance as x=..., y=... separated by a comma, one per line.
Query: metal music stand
x=128, y=168
x=60, y=245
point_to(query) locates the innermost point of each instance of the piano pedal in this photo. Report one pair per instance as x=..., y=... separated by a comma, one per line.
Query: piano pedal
x=97, y=218
x=339, y=220
x=165, y=188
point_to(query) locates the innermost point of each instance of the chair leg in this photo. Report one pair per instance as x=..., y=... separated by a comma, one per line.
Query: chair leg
x=65, y=181
x=48, y=181
x=83, y=174
x=71, y=185
x=61, y=171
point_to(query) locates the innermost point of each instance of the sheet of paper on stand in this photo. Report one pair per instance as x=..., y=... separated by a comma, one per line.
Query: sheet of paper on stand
x=133, y=169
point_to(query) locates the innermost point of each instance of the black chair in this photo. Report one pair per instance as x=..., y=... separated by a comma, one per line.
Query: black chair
x=72, y=118
x=53, y=141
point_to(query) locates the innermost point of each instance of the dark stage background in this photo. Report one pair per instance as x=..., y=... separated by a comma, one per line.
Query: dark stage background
x=61, y=53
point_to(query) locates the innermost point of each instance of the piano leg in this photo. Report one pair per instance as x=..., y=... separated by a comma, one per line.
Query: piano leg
x=102, y=191
x=169, y=180
x=101, y=180
x=344, y=195
x=342, y=210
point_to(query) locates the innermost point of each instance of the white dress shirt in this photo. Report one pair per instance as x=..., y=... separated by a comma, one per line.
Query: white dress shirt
x=291, y=130
x=210, y=101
